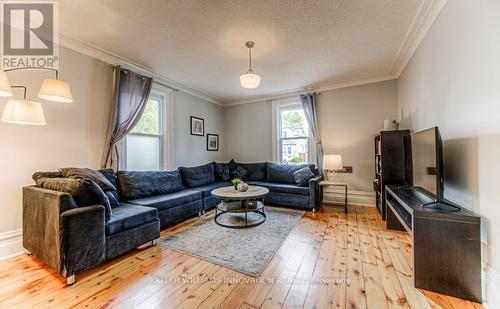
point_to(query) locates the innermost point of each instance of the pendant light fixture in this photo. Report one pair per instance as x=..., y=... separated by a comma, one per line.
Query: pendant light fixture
x=250, y=80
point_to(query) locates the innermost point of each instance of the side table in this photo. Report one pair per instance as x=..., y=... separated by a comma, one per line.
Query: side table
x=333, y=184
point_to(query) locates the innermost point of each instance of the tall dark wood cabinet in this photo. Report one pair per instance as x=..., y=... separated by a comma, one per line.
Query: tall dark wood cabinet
x=390, y=165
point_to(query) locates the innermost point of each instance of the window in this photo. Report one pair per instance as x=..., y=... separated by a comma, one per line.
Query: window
x=148, y=146
x=293, y=145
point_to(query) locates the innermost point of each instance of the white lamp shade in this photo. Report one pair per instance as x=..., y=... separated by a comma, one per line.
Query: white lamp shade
x=332, y=162
x=56, y=91
x=23, y=112
x=249, y=80
x=5, y=90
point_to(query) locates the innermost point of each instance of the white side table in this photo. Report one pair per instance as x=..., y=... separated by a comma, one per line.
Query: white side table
x=329, y=183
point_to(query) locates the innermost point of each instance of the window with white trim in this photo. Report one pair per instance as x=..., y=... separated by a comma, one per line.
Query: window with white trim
x=293, y=144
x=148, y=146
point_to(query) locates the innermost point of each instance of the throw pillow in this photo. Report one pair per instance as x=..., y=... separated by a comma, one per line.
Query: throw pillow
x=240, y=172
x=302, y=176
x=84, y=192
x=38, y=175
x=113, y=201
x=232, y=164
x=87, y=173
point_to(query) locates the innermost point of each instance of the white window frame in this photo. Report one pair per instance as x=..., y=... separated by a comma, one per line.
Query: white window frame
x=277, y=108
x=166, y=128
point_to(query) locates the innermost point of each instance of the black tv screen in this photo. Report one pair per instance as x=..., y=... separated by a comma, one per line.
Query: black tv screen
x=427, y=162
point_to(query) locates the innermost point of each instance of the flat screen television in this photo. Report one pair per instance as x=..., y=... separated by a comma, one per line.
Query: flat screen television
x=427, y=163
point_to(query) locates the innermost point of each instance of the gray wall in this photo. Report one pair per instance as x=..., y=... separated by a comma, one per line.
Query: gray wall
x=190, y=150
x=248, y=133
x=349, y=118
x=453, y=81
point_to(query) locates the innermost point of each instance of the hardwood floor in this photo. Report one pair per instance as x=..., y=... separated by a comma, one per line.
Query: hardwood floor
x=330, y=260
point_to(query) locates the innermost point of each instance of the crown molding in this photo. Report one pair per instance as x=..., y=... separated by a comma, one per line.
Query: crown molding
x=426, y=15
x=318, y=88
x=114, y=59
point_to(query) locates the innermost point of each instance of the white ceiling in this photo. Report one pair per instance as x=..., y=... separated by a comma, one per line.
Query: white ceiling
x=201, y=43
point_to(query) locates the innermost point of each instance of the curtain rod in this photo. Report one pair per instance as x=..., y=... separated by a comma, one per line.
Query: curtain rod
x=114, y=67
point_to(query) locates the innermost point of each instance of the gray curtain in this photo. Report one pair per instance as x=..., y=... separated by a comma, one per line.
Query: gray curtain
x=310, y=105
x=130, y=95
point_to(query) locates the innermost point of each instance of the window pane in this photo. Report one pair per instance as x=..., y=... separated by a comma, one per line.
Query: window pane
x=293, y=123
x=143, y=153
x=149, y=123
x=294, y=151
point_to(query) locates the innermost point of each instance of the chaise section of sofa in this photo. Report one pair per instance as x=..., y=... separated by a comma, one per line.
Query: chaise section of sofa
x=70, y=238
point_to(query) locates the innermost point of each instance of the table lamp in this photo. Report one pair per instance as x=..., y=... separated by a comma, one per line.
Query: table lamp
x=333, y=163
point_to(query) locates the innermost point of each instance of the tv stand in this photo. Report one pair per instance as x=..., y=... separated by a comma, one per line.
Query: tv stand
x=445, y=239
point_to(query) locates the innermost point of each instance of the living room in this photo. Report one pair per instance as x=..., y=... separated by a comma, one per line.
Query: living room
x=241, y=154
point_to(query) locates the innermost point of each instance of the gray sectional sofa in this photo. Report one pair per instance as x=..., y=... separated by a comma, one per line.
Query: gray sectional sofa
x=70, y=237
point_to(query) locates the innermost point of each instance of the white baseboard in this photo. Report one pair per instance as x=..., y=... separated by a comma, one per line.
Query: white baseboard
x=359, y=198
x=11, y=244
x=491, y=286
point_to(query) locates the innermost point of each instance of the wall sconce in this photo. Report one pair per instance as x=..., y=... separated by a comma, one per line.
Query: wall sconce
x=30, y=112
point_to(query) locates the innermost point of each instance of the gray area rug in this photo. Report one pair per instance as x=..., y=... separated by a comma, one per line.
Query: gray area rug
x=247, y=251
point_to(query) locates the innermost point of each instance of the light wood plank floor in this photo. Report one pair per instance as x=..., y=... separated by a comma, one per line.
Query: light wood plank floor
x=330, y=260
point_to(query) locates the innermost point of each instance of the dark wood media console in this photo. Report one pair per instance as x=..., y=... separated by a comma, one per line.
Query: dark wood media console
x=446, y=243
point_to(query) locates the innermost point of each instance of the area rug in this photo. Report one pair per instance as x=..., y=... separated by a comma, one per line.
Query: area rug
x=247, y=251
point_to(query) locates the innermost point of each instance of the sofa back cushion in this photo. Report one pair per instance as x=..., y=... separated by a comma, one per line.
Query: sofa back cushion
x=256, y=171
x=135, y=184
x=222, y=171
x=283, y=173
x=198, y=175
x=84, y=192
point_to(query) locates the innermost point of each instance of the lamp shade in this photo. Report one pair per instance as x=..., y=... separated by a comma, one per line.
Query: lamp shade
x=5, y=90
x=249, y=80
x=55, y=90
x=332, y=162
x=23, y=112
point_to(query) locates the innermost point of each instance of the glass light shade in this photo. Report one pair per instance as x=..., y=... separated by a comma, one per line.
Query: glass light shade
x=56, y=91
x=249, y=80
x=332, y=162
x=5, y=90
x=23, y=112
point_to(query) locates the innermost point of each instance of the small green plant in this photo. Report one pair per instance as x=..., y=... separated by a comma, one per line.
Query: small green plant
x=236, y=181
x=295, y=160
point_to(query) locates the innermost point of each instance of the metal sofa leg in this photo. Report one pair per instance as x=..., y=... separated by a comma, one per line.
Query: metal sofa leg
x=70, y=280
x=154, y=242
x=314, y=210
x=200, y=213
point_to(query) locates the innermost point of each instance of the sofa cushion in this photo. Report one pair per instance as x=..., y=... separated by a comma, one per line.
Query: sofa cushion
x=222, y=172
x=87, y=173
x=281, y=187
x=303, y=175
x=239, y=172
x=283, y=173
x=129, y=216
x=256, y=171
x=134, y=184
x=113, y=201
x=84, y=192
x=207, y=189
x=198, y=175
x=166, y=201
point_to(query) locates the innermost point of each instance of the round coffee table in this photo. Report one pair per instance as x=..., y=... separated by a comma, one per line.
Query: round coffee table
x=236, y=202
